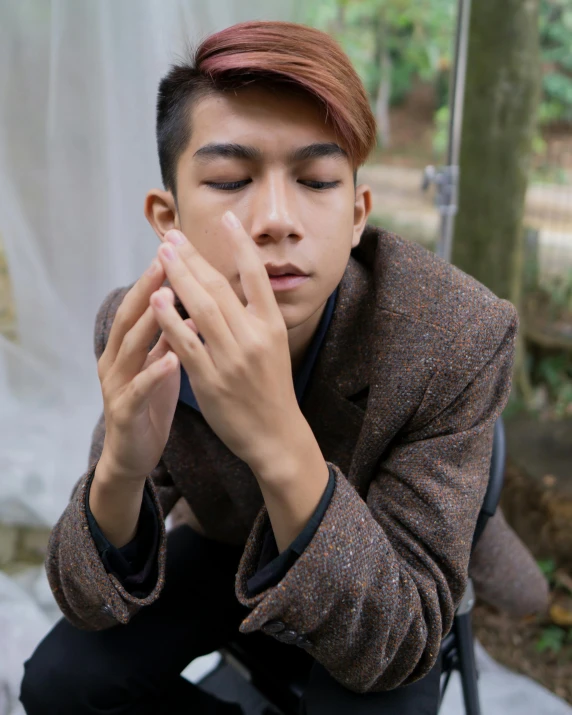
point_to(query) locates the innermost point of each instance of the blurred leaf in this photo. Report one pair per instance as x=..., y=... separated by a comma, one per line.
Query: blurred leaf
x=551, y=638
x=547, y=566
x=556, y=41
x=560, y=616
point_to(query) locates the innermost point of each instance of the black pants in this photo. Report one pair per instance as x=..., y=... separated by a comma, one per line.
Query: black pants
x=135, y=669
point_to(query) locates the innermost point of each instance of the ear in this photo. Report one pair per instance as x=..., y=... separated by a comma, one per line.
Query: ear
x=161, y=211
x=362, y=209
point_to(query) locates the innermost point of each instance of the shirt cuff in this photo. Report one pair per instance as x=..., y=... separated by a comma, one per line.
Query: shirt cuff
x=272, y=566
x=135, y=565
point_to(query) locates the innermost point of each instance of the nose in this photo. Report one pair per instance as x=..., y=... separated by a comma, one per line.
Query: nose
x=274, y=214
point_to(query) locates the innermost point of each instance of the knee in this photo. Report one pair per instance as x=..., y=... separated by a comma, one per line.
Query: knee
x=49, y=687
x=40, y=687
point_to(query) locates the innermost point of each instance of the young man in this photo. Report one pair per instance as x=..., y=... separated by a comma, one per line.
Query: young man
x=318, y=394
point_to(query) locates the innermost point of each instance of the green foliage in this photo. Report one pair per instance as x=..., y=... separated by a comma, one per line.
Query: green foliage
x=417, y=36
x=548, y=567
x=556, y=44
x=556, y=373
x=553, y=638
x=441, y=136
x=419, y=39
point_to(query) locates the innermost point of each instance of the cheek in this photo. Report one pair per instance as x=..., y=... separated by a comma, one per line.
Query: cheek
x=336, y=212
x=212, y=245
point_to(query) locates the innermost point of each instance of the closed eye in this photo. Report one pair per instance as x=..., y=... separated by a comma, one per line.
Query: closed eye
x=228, y=185
x=234, y=185
x=321, y=184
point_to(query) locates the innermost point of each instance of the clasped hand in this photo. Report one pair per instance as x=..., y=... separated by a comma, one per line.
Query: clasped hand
x=241, y=376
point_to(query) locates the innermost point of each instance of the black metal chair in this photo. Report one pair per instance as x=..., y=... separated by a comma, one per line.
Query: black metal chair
x=457, y=648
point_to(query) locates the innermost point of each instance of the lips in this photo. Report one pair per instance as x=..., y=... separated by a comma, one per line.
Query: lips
x=286, y=269
x=285, y=282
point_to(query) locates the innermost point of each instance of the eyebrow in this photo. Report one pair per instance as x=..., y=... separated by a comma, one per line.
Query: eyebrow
x=210, y=152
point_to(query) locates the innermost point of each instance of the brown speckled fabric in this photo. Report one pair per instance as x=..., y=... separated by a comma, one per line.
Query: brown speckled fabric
x=414, y=371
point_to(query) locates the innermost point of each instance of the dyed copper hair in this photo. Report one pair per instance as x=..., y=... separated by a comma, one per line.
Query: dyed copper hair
x=269, y=53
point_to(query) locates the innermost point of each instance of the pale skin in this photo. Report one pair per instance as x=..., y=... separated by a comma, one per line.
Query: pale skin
x=215, y=240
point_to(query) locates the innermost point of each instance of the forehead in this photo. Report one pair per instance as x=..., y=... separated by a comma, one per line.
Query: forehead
x=274, y=121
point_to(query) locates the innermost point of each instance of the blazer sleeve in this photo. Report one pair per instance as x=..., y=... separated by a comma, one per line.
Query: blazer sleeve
x=135, y=564
x=376, y=590
x=272, y=566
x=89, y=597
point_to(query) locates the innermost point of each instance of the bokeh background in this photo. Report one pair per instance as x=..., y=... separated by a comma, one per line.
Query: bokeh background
x=78, y=80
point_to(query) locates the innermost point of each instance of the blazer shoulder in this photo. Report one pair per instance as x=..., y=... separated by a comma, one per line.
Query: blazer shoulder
x=416, y=283
x=105, y=316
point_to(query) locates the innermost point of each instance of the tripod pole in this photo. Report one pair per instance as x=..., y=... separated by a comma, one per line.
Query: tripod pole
x=447, y=178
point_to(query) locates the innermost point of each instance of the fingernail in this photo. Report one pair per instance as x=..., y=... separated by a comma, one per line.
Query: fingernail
x=168, y=252
x=230, y=219
x=152, y=268
x=175, y=237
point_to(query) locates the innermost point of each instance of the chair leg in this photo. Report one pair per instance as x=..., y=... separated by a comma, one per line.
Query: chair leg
x=443, y=687
x=467, y=663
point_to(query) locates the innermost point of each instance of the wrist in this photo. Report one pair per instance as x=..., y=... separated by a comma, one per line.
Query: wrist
x=109, y=474
x=115, y=504
x=282, y=461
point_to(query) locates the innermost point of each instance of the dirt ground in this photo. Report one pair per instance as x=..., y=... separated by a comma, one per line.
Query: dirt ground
x=518, y=643
x=514, y=643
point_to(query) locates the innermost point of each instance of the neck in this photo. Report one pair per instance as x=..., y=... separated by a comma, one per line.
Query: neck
x=300, y=337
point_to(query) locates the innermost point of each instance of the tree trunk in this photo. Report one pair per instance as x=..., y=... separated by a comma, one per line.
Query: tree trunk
x=337, y=25
x=501, y=98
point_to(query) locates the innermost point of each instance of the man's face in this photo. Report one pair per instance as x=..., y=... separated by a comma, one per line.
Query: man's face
x=300, y=209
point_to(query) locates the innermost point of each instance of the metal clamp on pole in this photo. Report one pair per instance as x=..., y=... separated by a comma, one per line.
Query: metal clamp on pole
x=446, y=180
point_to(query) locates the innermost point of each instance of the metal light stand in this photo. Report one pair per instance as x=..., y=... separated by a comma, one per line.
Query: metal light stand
x=446, y=178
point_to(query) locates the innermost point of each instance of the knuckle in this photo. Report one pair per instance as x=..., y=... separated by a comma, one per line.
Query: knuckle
x=101, y=369
x=255, y=346
x=105, y=389
x=208, y=309
x=216, y=284
x=121, y=318
x=129, y=342
x=234, y=370
x=277, y=330
x=136, y=389
x=116, y=416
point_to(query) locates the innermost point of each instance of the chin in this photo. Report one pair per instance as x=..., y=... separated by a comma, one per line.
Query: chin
x=294, y=315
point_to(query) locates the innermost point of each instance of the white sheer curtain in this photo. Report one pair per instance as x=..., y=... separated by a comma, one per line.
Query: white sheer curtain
x=78, y=81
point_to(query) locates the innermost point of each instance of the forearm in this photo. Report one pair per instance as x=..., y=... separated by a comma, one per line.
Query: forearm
x=115, y=504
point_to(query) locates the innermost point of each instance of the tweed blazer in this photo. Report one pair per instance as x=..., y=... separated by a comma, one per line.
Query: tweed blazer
x=414, y=370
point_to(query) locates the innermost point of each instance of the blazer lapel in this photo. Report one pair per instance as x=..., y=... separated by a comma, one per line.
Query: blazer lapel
x=336, y=397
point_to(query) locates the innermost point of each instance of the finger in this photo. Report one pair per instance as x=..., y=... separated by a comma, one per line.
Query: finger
x=146, y=382
x=253, y=275
x=134, y=350
x=214, y=283
x=162, y=346
x=190, y=323
x=133, y=306
x=186, y=343
x=159, y=350
x=210, y=302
